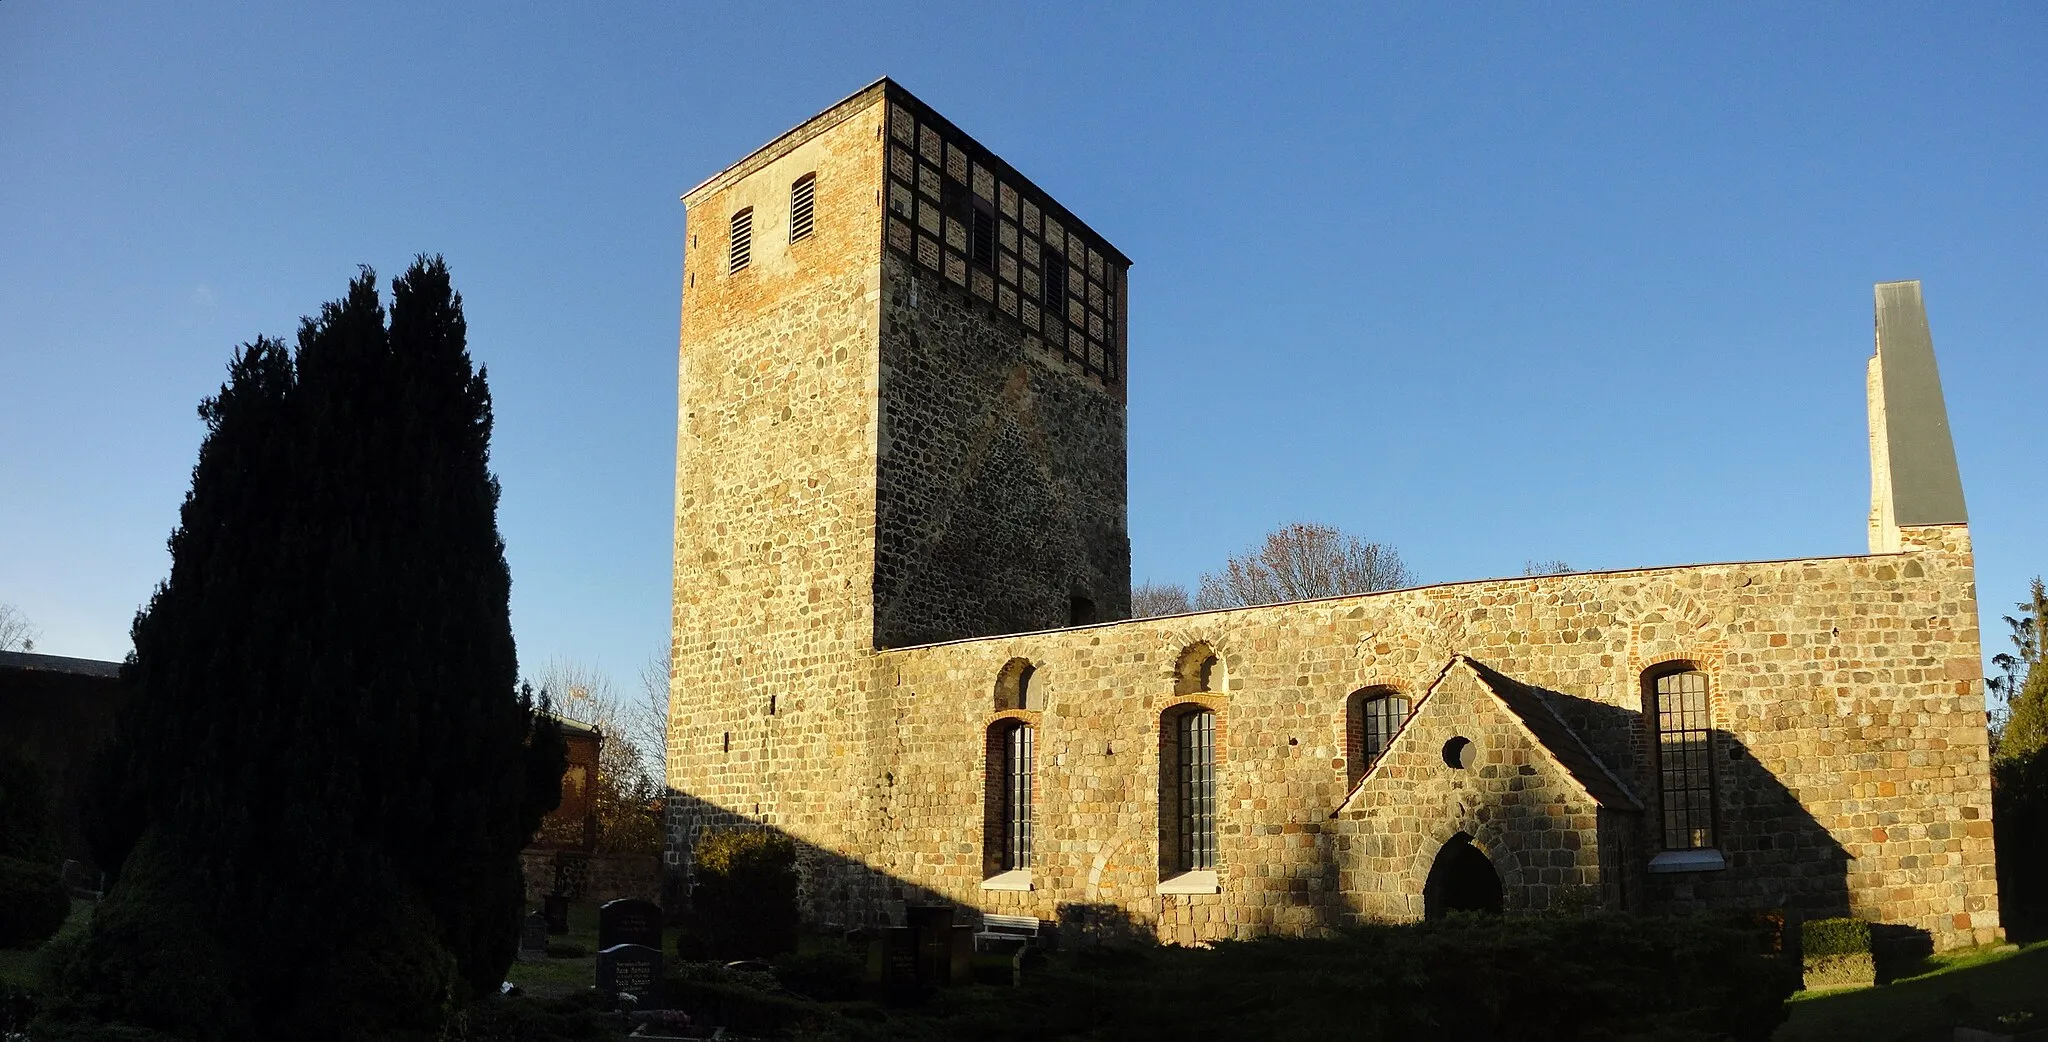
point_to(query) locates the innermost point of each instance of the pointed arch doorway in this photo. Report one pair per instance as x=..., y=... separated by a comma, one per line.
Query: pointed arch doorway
x=1462, y=879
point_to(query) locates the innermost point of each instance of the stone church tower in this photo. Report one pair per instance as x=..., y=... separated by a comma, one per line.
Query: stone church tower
x=901, y=421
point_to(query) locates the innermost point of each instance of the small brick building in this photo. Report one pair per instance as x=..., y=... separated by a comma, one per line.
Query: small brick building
x=573, y=825
x=902, y=580
x=55, y=712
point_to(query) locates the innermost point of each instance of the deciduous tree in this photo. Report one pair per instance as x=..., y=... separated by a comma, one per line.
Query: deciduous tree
x=1151, y=600
x=16, y=634
x=627, y=791
x=1300, y=562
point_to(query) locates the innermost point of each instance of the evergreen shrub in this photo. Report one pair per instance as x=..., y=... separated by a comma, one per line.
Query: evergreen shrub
x=2019, y=821
x=147, y=961
x=744, y=905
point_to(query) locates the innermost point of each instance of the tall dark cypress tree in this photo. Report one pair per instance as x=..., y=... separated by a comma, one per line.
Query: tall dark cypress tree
x=325, y=752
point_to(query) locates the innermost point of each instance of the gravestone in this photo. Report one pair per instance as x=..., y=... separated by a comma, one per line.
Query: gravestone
x=960, y=968
x=628, y=920
x=556, y=908
x=1026, y=965
x=892, y=960
x=533, y=933
x=631, y=968
x=934, y=929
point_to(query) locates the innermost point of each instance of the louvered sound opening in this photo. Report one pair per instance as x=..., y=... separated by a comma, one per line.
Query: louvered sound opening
x=800, y=196
x=742, y=238
x=984, y=244
x=1055, y=283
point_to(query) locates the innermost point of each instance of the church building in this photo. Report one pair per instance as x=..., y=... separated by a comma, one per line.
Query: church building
x=902, y=633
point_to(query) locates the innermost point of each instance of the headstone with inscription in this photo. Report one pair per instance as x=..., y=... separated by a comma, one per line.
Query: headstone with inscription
x=628, y=920
x=894, y=962
x=633, y=969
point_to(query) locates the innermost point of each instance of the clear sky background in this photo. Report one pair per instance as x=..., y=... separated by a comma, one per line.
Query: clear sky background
x=1486, y=282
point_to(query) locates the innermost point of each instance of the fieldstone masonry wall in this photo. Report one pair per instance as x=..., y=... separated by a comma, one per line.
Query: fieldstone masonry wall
x=775, y=497
x=1001, y=475
x=872, y=452
x=1850, y=749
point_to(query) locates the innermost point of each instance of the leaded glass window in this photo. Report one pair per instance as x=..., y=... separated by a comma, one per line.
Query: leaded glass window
x=1685, y=781
x=1381, y=717
x=1017, y=764
x=1197, y=777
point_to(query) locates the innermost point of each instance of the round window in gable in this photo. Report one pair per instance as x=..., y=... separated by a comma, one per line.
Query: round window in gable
x=1460, y=753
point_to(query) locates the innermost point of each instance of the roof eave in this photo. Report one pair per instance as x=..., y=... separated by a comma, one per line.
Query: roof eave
x=832, y=115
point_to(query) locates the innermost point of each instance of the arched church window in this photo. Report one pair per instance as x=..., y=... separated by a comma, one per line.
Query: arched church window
x=1190, y=777
x=1675, y=703
x=1007, y=812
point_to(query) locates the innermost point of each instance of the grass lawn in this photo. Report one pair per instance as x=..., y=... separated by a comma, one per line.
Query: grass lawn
x=1919, y=1008
x=553, y=978
x=23, y=967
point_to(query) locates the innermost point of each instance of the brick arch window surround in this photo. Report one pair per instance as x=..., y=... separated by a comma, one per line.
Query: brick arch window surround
x=1373, y=715
x=1679, y=719
x=1007, y=825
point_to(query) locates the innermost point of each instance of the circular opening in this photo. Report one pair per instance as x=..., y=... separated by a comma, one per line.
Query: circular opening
x=1458, y=752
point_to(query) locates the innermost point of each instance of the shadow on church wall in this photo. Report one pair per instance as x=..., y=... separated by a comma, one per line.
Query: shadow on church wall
x=836, y=891
x=1779, y=856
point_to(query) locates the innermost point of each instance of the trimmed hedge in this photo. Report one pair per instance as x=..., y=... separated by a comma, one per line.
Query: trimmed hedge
x=745, y=1010
x=1819, y=937
x=1836, y=953
x=33, y=903
x=27, y=827
x=1598, y=979
x=831, y=973
x=744, y=905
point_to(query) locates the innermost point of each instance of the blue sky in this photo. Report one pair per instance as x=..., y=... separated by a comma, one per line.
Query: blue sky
x=1486, y=282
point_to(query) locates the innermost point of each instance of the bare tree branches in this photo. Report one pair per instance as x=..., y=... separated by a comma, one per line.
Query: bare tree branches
x=1553, y=566
x=16, y=633
x=649, y=720
x=1151, y=600
x=1300, y=562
